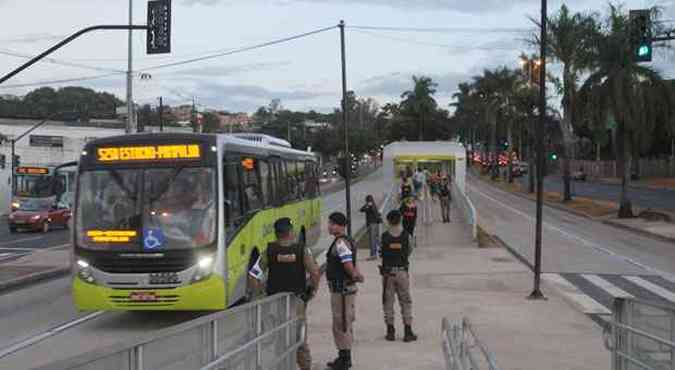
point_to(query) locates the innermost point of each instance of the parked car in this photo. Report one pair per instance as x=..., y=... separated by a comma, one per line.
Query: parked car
x=39, y=215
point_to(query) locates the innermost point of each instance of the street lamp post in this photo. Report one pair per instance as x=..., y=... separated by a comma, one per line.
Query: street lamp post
x=536, y=292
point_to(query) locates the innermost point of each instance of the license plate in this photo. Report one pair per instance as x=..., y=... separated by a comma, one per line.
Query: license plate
x=143, y=297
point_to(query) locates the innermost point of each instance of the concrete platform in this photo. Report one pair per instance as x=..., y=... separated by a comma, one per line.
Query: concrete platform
x=453, y=278
x=36, y=266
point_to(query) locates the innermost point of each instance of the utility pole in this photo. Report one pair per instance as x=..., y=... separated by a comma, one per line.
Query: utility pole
x=536, y=292
x=161, y=115
x=130, y=97
x=348, y=156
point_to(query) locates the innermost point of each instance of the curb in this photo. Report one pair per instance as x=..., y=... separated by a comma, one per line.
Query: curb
x=639, y=231
x=515, y=253
x=23, y=281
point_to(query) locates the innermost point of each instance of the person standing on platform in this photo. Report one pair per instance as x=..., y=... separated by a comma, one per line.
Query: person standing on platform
x=342, y=275
x=446, y=198
x=373, y=221
x=288, y=263
x=409, y=211
x=395, y=255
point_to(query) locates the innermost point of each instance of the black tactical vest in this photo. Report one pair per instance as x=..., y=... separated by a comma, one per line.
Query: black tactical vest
x=335, y=270
x=286, y=269
x=395, y=250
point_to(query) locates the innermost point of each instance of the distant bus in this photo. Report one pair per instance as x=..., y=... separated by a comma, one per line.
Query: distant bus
x=174, y=221
x=48, y=183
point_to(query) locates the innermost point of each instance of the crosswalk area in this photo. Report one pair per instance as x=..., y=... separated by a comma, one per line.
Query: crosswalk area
x=593, y=294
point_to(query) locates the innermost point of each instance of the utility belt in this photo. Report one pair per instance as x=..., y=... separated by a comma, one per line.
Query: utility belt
x=341, y=287
x=392, y=270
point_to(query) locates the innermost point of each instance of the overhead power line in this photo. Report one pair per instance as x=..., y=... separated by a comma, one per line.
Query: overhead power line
x=446, y=29
x=183, y=62
x=239, y=50
x=424, y=43
x=57, y=61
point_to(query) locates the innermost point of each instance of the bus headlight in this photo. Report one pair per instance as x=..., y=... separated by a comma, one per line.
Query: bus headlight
x=204, y=268
x=84, y=271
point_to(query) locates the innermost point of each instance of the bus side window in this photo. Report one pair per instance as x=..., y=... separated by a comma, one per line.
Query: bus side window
x=301, y=179
x=252, y=191
x=233, y=199
x=280, y=177
x=267, y=183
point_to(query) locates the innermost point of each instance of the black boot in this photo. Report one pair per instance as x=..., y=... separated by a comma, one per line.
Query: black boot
x=343, y=362
x=391, y=333
x=409, y=335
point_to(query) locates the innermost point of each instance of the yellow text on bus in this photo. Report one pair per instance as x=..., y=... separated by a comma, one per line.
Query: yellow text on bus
x=149, y=153
x=111, y=236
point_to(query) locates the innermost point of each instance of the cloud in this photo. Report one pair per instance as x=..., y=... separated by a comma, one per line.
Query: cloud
x=394, y=84
x=211, y=71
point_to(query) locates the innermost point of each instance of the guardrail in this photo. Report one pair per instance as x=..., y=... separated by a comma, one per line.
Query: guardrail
x=641, y=335
x=459, y=343
x=260, y=335
x=466, y=206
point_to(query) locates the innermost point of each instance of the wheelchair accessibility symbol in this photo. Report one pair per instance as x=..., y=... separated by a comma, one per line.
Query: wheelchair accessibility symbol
x=153, y=239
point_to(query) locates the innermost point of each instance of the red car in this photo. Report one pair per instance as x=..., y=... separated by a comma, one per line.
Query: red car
x=38, y=215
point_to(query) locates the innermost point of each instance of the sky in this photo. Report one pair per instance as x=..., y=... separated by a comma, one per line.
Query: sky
x=469, y=36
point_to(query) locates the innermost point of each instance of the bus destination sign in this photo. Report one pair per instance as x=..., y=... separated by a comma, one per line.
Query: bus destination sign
x=32, y=170
x=149, y=153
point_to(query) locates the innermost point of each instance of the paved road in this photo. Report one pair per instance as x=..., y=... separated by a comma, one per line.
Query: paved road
x=19, y=244
x=645, y=198
x=588, y=260
x=29, y=312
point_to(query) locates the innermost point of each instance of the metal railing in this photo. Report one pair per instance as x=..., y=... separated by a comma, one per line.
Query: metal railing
x=460, y=344
x=260, y=335
x=641, y=335
x=466, y=207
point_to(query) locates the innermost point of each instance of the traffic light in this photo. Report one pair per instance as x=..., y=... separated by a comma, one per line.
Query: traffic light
x=16, y=161
x=535, y=66
x=342, y=167
x=554, y=156
x=3, y=161
x=640, y=35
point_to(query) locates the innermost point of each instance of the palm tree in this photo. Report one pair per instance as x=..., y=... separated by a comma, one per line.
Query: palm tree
x=497, y=90
x=634, y=95
x=571, y=41
x=419, y=101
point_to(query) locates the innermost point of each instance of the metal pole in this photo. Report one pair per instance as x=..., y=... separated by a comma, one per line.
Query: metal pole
x=161, y=115
x=348, y=156
x=130, y=96
x=536, y=292
x=12, y=176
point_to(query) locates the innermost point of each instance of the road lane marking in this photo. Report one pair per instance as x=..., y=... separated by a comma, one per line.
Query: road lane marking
x=608, y=287
x=648, y=285
x=51, y=332
x=21, y=240
x=587, y=304
x=665, y=275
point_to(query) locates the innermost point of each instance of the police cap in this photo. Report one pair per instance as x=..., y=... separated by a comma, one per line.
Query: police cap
x=283, y=225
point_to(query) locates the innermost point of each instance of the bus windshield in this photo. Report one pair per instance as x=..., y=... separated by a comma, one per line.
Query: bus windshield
x=175, y=206
x=33, y=186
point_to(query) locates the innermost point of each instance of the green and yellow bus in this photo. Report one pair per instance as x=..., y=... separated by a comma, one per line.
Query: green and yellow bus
x=174, y=221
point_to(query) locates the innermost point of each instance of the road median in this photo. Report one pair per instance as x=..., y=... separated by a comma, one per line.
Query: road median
x=36, y=267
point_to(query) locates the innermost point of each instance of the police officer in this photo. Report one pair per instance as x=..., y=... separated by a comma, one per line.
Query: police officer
x=342, y=276
x=395, y=253
x=287, y=263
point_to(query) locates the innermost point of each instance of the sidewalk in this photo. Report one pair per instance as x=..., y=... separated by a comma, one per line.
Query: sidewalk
x=34, y=267
x=452, y=277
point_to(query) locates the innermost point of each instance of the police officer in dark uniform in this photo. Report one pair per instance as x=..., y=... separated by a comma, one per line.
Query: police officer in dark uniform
x=287, y=263
x=342, y=275
x=395, y=253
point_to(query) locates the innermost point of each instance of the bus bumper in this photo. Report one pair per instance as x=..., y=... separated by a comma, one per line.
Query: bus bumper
x=207, y=295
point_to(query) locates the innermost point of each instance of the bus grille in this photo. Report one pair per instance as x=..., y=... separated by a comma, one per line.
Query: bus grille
x=144, y=265
x=122, y=301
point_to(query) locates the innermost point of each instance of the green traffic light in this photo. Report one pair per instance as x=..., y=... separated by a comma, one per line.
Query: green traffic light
x=554, y=156
x=643, y=50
